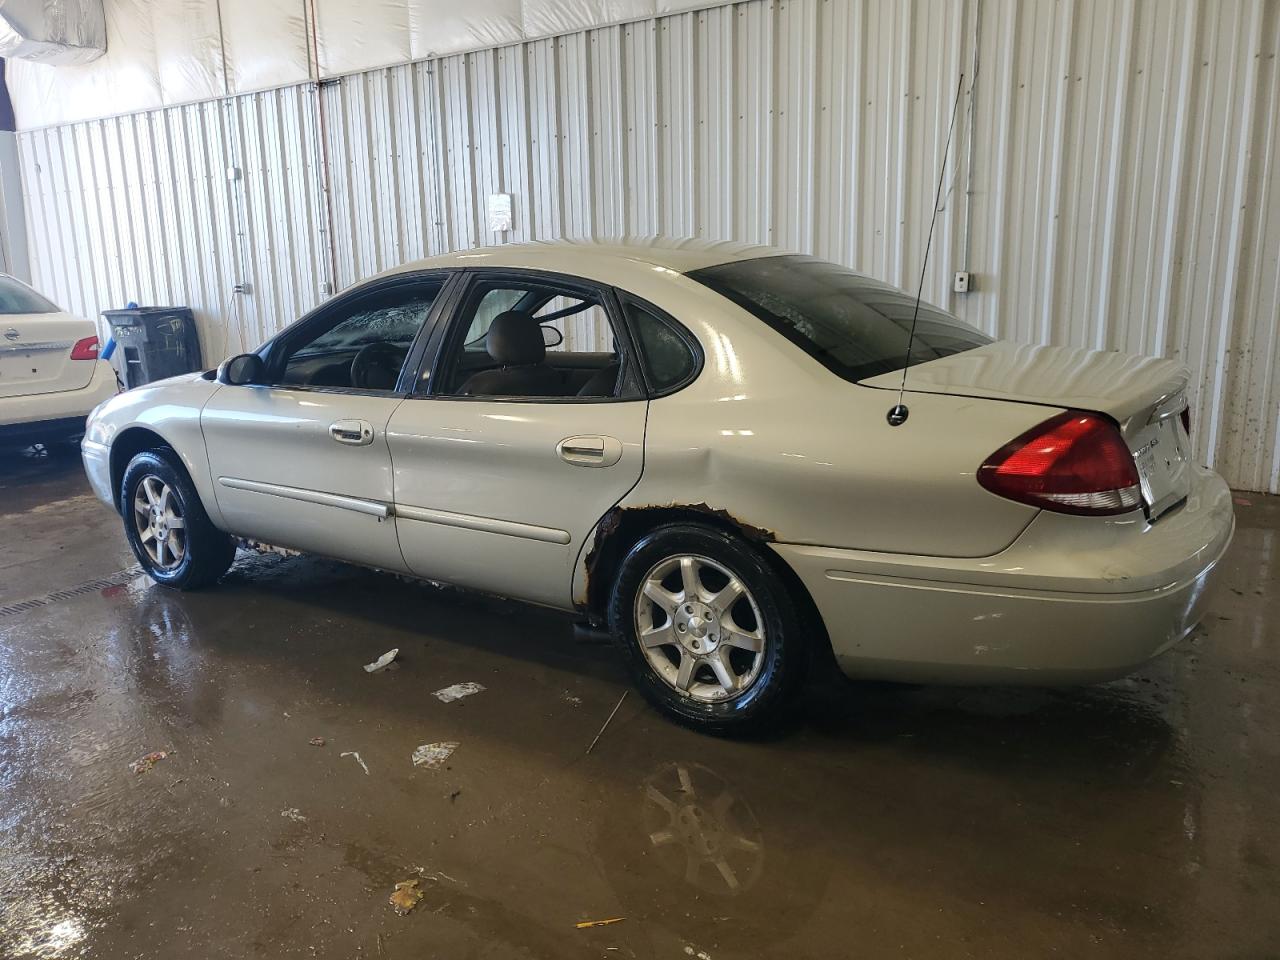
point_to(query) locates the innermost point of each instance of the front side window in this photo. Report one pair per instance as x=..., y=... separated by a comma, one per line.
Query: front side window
x=535, y=339
x=854, y=326
x=361, y=344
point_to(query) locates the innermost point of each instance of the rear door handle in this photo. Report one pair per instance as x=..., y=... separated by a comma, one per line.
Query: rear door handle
x=357, y=433
x=590, y=451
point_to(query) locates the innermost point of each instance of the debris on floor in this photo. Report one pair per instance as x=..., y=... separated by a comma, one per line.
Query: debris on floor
x=694, y=952
x=294, y=814
x=570, y=698
x=406, y=896
x=598, y=923
x=143, y=764
x=317, y=741
x=383, y=661
x=458, y=691
x=434, y=754
x=363, y=765
x=607, y=721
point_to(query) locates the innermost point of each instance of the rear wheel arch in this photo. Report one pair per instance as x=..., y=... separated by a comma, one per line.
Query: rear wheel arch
x=623, y=527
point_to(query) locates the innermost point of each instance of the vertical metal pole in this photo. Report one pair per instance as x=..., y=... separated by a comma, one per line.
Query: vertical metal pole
x=322, y=148
x=968, y=160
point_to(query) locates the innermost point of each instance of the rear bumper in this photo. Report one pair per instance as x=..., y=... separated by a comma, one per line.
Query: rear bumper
x=1073, y=599
x=37, y=416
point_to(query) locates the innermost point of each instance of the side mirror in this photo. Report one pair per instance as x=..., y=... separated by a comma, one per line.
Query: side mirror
x=551, y=337
x=241, y=370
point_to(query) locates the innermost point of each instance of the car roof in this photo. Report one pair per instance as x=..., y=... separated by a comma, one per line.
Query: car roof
x=680, y=255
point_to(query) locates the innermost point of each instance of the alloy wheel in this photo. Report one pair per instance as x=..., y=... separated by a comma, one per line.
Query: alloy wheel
x=699, y=628
x=158, y=520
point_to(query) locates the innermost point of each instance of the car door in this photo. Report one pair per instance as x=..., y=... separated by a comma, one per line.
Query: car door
x=495, y=488
x=301, y=460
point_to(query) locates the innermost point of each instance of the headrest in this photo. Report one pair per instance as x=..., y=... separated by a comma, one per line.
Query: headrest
x=515, y=339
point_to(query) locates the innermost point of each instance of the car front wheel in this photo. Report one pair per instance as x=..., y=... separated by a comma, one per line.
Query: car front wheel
x=166, y=524
x=711, y=635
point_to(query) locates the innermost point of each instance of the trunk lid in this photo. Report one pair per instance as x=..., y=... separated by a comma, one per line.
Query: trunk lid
x=1144, y=395
x=35, y=353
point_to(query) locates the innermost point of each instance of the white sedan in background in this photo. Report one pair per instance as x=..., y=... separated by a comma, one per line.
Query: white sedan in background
x=50, y=374
x=687, y=444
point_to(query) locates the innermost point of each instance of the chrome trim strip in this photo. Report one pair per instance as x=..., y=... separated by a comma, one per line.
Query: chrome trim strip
x=37, y=345
x=1169, y=405
x=467, y=521
x=370, y=507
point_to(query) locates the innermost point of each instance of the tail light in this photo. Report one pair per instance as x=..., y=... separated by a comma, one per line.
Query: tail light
x=86, y=349
x=1074, y=463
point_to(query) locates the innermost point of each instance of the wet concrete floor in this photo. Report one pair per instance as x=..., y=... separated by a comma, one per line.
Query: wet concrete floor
x=1135, y=819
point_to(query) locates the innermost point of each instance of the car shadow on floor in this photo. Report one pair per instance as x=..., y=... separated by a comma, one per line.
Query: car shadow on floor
x=1124, y=727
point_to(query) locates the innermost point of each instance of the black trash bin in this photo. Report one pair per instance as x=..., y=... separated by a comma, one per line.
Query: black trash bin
x=155, y=342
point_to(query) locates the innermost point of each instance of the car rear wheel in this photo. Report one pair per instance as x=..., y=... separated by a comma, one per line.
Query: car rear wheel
x=711, y=635
x=166, y=524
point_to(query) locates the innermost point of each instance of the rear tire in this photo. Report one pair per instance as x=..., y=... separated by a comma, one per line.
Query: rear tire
x=166, y=524
x=710, y=633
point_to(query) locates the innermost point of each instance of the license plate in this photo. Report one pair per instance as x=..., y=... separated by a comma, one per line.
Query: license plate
x=1161, y=460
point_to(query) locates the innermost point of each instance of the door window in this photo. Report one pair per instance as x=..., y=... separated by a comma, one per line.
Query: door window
x=516, y=339
x=360, y=344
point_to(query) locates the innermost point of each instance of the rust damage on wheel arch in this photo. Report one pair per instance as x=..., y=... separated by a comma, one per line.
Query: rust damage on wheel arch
x=606, y=545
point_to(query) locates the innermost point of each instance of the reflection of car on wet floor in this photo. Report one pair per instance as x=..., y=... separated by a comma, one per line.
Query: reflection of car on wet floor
x=701, y=831
x=697, y=852
x=687, y=443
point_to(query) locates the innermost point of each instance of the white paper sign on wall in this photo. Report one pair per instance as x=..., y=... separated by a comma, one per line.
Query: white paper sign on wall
x=499, y=212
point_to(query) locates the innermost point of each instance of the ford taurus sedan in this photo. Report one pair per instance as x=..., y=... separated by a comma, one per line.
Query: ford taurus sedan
x=687, y=445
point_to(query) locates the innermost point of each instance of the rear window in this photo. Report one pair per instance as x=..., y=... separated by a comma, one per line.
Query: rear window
x=854, y=326
x=17, y=298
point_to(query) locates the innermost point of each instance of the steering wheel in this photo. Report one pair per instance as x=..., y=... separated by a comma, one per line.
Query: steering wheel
x=377, y=365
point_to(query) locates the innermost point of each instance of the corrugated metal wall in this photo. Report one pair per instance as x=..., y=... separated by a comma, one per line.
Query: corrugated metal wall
x=1125, y=192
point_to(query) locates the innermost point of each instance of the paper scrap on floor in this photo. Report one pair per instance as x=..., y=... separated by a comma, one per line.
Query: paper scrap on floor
x=434, y=754
x=458, y=691
x=383, y=661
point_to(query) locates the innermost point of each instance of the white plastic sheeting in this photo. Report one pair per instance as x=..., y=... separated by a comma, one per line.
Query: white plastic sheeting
x=1126, y=189
x=162, y=52
x=52, y=31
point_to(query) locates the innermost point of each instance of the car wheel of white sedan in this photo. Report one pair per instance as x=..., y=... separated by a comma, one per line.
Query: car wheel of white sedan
x=710, y=633
x=167, y=527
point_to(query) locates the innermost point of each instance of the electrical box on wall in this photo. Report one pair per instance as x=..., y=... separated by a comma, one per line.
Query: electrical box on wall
x=962, y=281
x=499, y=212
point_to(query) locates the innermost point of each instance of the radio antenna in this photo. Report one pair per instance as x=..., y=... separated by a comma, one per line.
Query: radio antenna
x=898, y=413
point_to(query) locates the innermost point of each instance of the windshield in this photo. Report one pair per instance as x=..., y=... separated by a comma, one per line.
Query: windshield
x=854, y=326
x=17, y=298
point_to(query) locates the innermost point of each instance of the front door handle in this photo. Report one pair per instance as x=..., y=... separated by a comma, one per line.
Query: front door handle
x=357, y=433
x=590, y=451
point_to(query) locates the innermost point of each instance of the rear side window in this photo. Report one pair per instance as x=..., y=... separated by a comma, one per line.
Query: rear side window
x=19, y=298
x=669, y=359
x=854, y=326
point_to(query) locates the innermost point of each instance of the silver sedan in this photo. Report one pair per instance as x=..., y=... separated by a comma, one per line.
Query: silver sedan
x=698, y=448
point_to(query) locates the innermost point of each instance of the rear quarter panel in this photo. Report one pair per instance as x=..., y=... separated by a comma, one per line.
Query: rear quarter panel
x=784, y=445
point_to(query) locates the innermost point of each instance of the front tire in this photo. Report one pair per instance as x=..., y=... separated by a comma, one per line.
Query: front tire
x=166, y=524
x=710, y=633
